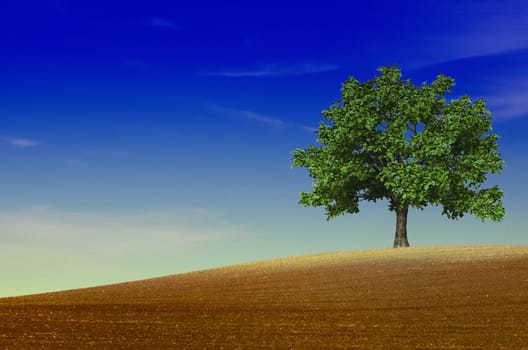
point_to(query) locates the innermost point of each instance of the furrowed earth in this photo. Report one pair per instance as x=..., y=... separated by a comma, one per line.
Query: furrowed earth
x=469, y=297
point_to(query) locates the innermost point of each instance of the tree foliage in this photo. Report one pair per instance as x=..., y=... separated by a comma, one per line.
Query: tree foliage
x=389, y=139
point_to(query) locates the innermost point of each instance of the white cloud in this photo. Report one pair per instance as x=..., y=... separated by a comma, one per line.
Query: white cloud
x=275, y=70
x=20, y=142
x=506, y=95
x=245, y=114
x=309, y=129
x=508, y=106
x=496, y=27
x=260, y=118
x=110, y=235
x=257, y=117
x=45, y=249
x=465, y=29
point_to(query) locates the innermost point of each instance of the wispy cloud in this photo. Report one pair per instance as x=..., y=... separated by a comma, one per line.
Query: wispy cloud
x=473, y=29
x=112, y=234
x=309, y=129
x=260, y=118
x=256, y=117
x=20, y=142
x=275, y=70
x=49, y=249
x=245, y=114
x=500, y=78
x=509, y=105
x=159, y=23
x=505, y=88
x=495, y=27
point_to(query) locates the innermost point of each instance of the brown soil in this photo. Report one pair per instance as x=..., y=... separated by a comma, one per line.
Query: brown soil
x=409, y=298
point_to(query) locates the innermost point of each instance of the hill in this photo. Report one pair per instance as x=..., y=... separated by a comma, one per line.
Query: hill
x=473, y=297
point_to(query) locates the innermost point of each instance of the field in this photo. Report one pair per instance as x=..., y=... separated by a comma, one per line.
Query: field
x=473, y=297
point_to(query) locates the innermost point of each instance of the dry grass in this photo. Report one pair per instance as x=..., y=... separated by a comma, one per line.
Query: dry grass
x=473, y=297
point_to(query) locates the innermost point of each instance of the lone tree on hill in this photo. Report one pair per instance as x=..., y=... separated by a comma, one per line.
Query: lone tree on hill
x=388, y=139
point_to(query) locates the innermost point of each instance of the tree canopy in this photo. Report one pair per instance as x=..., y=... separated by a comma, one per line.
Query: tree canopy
x=389, y=139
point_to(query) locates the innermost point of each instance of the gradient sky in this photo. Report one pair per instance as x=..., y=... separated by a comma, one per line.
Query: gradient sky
x=140, y=139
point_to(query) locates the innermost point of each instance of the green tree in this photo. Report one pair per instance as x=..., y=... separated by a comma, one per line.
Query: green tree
x=389, y=139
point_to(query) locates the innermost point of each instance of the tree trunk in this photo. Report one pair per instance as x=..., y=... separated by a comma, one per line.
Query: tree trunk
x=400, y=239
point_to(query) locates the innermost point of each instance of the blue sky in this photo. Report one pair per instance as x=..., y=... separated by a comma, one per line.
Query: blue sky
x=145, y=139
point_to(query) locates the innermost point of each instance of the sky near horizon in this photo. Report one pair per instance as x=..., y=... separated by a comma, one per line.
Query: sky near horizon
x=141, y=139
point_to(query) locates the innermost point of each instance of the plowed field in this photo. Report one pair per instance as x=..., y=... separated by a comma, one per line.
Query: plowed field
x=408, y=298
